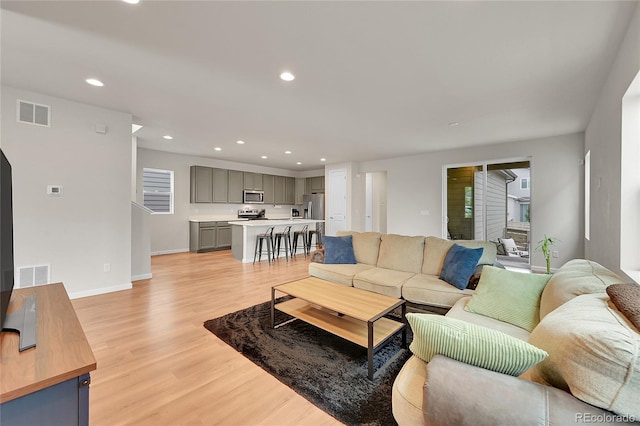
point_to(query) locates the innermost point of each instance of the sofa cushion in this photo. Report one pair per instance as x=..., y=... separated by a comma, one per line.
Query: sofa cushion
x=489, y=250
x=407, y=395
x=593, y=353
x=341, y=274
x=458, y=312
x=431, y=290
x=366, y=246
x=459, y=265
x=382, y=281
x=339, y=250
x=509, y=296
x=576, y=277
x=471, y=344
x=435, y=251
x=401, y=253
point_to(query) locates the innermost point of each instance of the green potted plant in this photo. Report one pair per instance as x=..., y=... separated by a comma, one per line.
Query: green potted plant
x=544, y=246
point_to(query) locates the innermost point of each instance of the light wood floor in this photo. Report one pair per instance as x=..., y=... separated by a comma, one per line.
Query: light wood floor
x=158, y=365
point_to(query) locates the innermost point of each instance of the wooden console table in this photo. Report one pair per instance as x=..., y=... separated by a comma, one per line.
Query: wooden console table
x=48, y=384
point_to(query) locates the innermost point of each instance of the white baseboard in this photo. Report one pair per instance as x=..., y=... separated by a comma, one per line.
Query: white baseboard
x=141, y=277
x=157, y=253
x=102, y=290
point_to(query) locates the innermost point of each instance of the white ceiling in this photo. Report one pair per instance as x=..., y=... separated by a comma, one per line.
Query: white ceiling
x=374, y=79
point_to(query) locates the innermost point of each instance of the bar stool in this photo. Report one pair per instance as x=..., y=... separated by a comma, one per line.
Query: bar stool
x=296, y=236
x=277, y=238
x=268, y=236
x=310, y=238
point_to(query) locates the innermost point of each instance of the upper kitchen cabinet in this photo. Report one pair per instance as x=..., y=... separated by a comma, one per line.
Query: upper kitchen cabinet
x=268, y=186
x=253, y=181
x=315, y=184
x=201, y=184
x=279, y=190
x=300, y=189
x=236, y=186
x=220, y=185
x=289, y=190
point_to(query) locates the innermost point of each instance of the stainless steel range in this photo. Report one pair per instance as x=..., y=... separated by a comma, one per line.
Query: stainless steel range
x=251, y=214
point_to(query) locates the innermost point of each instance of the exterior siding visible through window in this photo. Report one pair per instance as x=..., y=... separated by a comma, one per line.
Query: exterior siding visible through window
x=157, y=189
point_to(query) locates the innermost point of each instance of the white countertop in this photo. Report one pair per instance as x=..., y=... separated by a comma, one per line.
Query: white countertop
x=275, y=222
x=214, y=218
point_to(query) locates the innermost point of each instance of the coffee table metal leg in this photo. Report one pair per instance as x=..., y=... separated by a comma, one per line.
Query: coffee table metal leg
x=273, y=307
x=404, y=321
x=370, y=348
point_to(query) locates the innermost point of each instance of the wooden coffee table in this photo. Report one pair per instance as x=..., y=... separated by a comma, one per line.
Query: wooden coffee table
x=351, y=313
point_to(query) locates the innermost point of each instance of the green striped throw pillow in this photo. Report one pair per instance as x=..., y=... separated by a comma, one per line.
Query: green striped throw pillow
x=472, y=344
x=509, y=296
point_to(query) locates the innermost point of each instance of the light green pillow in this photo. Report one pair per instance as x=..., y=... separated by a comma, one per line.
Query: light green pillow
x=472, y=344
x=509, y=296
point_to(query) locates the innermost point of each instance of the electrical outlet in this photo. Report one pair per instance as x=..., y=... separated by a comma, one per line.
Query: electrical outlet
x=555, y=254
x=107, y=267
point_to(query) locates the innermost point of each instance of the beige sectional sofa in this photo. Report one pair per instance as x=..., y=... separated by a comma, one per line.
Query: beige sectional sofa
x=591, y=374
x=401, y=266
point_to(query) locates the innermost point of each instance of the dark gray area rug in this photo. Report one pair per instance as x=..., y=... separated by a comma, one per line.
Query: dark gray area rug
x=328, y=371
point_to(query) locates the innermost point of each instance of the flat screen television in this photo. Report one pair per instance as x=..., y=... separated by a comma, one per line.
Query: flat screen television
x=6, y=237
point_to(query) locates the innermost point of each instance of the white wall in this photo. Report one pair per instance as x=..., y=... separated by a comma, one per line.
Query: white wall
x=415, y=184
x=170, y=233
x=603, y=139
x=90, y=225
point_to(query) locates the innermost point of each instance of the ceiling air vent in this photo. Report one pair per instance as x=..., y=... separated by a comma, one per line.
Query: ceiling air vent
x=32, y=113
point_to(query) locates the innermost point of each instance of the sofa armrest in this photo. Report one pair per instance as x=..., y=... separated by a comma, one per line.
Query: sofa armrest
x=457, y=394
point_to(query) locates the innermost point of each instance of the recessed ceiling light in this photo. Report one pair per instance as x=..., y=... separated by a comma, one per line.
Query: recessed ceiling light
x=287, y=152
x=287, y=76
x=131, y=1
x=454, y=124
x=240, y=142
x=168, y=137
x=298, y=163
x=217, y=148
x=264, y=157
x=94, y=82
x=323, y=159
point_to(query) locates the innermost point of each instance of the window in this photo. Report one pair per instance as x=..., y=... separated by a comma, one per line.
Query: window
x=524, y=212
x=468, y=202
x=157, y=189
x=524, y=183
x=587, y=195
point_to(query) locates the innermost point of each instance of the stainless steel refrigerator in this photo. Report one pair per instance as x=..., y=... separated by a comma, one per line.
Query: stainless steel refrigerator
x=313, y=208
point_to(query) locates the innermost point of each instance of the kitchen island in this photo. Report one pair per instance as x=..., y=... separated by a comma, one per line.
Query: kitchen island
x=243, y=234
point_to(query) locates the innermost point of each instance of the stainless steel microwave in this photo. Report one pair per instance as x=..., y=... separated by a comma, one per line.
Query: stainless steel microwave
x=252, y=197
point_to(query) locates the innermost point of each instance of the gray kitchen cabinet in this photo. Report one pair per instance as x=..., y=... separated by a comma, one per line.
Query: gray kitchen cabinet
x=209, y=236
x=316, y=184
x=300, y=190
x=279, y=190
x=252, y=181
x=223, y=236
x=201, y=184
x=220, y=185
x=289, y=190
x=236, y=186
x=268, y=188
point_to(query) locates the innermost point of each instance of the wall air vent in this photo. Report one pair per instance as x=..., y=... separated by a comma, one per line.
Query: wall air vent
x=33, y=275
x=32, y=113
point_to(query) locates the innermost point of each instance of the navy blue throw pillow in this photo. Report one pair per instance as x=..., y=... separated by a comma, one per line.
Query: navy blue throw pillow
x=339, y=249
x=459, y=265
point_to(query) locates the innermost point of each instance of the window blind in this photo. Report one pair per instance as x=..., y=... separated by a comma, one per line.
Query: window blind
x=158, y=190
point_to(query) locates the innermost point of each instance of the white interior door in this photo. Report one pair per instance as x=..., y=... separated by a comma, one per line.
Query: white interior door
x=337, y=201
